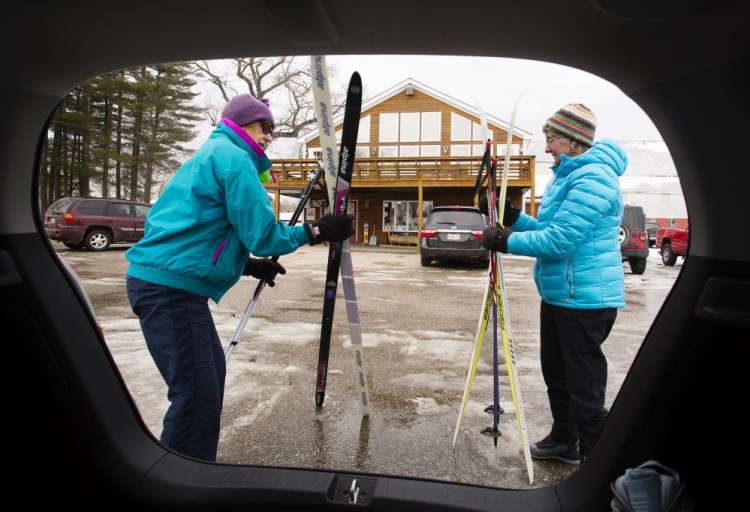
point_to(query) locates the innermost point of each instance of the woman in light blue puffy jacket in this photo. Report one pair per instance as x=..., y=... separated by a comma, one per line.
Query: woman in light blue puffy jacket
x=578, y=273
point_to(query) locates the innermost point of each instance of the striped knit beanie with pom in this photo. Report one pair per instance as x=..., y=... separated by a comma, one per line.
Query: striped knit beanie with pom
x=574, y=121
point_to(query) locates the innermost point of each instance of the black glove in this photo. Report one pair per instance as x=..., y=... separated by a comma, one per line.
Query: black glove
x=263, y=268
x=330, y=228
x=483, y=204
x=510, y=215
x=496, y=238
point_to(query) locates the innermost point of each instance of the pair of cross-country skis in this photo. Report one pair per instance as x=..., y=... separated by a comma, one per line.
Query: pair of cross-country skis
x=495, y=306
x=337, y=168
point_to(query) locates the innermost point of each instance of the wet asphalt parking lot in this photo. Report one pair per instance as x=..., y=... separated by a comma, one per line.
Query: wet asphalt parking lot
x=418, y=328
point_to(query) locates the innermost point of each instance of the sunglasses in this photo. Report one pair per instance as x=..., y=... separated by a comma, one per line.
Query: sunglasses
x=266, y=127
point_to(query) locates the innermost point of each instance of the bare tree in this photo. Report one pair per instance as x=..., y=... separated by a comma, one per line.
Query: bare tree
x=286, y=79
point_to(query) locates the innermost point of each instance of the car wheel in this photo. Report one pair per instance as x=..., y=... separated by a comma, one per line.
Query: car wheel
x=426, y=262
x=484, y=264
x=667, y=255
x=624, y=236
x=637, y=265
x=98, y=240
x=73, y=245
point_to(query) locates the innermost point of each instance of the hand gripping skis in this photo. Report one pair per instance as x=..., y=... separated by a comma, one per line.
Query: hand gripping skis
x=315, y=180
x=339, y=255
x=495, y=301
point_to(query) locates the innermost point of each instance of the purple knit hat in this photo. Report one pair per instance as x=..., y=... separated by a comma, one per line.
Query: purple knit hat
x=243, y=109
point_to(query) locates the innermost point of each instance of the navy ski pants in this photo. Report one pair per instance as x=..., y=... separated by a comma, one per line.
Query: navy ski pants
x=182, y=339
x=575, y=371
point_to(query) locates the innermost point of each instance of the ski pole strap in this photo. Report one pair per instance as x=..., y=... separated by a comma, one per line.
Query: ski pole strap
x=482, y=166
x=315, y=180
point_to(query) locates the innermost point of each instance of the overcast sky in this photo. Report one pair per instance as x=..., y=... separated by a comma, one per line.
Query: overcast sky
x=496, y=84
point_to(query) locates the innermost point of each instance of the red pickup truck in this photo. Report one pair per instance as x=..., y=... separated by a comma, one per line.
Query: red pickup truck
x=672, y=242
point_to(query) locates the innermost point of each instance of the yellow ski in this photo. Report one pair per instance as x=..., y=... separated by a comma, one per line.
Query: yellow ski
x=495, y=298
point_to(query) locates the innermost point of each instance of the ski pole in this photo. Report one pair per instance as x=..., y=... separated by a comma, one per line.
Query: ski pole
x=262, y=283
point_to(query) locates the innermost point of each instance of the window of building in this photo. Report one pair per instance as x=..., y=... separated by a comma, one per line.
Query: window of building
x=363, y=133
x=515, y=149
x=477, y=132
x=430, y=126
x=362, y=152
x=409, y=151
x=430, y=150
x=409, y=127
x=403, y=216
x=460, y=127
x=388, y=128
x=388, y=151
x=460, y=150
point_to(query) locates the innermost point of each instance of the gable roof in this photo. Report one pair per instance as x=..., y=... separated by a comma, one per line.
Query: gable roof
x=449, y=100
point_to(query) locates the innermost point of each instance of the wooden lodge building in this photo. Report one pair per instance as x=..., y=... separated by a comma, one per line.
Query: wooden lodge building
x=417, y=148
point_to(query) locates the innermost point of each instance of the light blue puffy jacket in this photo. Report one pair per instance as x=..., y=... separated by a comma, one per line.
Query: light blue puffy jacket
x=211, y=215
x=575, y=235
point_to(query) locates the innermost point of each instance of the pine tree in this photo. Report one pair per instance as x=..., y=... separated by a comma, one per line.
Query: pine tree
x=133, y=123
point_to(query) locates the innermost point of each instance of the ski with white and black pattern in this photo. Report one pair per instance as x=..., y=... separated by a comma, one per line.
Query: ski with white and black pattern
x=355, y=328
x=339, y=192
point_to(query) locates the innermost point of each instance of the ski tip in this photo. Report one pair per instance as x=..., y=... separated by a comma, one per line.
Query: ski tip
x=355, y=83
x=319, y=397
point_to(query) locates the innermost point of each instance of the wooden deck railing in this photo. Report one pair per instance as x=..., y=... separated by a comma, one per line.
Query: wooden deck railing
x=297, y=172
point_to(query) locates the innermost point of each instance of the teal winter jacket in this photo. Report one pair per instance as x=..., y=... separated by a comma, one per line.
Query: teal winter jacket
x=575, y=235
x=212, y=214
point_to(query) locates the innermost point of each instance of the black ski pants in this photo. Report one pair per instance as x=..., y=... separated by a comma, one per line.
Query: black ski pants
x=575, y=371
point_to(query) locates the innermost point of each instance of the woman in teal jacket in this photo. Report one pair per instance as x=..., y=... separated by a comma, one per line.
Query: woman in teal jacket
x=578, y=273
x=197, y=243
